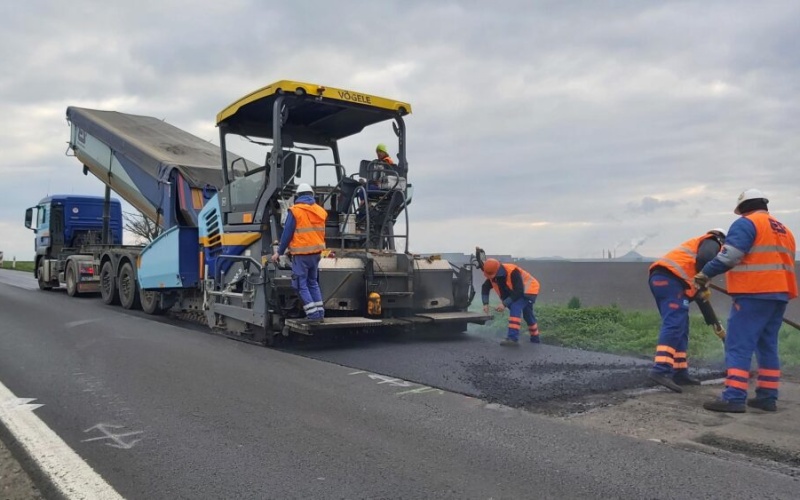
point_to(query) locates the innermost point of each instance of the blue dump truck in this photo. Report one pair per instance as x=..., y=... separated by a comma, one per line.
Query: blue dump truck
x=221, y=215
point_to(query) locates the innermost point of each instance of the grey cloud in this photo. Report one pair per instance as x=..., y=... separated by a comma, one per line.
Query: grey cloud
x=558, y=111
x=649, y=205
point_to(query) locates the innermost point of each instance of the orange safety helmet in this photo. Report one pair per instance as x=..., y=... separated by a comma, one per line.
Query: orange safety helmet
x=490, y=268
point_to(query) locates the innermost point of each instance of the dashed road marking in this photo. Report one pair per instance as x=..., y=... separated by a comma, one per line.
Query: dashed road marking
x=420, y=390
x=73, y=324
x=400, y=383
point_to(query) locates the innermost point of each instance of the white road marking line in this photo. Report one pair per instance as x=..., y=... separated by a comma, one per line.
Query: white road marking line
x=395, y=382
x=65, y=469
x=21, y=403
x=420, y=390
x=73, y=324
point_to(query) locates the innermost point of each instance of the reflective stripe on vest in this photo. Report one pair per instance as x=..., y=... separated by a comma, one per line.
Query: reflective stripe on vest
x=769, y=265
x=682, y=261
x=309, y=232
x=529, y=283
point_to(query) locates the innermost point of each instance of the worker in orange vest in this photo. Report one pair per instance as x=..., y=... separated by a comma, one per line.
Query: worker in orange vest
x=758, y=256
x=304, y=236
x=517, y=290
x=672, y=287
x=383, y=154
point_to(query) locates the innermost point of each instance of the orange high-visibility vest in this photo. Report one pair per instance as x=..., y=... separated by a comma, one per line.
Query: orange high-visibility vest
x=682, y=261
x=529, y=283
x=309, y=231
x=769, y=265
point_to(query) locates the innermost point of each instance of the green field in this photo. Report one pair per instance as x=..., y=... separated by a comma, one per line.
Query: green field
x=21, y=265
x=610, y=329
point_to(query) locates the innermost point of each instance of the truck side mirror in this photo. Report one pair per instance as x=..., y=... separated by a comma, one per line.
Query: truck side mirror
x=29, y=218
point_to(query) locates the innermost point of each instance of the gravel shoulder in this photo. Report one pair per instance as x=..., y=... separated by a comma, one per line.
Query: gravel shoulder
x=15, y=483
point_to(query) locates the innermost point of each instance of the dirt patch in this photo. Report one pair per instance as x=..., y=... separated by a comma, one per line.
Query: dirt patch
x=15, y=484
x=680, y=420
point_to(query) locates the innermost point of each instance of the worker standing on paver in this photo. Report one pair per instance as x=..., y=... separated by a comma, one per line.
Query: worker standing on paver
x=517, y=290
x=304, y=236
x=759, y=258
x=672, y=287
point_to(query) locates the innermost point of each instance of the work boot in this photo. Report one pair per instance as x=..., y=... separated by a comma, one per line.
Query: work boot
x=723, y=406
x=535, y=339
x=509, y=343
x=765, y=404
x=685, y=379
x=666, y=381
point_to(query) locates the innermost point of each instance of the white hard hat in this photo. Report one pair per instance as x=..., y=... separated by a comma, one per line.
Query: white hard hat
x=750, y=194
x=304, y=188
x=720, y=231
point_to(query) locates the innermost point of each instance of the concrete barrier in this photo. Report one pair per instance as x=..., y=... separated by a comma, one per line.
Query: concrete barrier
x=606, y=283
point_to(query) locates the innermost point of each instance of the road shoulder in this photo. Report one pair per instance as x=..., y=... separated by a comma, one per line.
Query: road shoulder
x=15, y=483
x=680, y=420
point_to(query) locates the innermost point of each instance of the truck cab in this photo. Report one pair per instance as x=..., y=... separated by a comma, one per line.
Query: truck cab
x=65, y=224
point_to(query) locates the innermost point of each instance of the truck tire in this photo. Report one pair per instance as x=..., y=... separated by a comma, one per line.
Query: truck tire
x=151, y=302
x=72, y=280
x=128, y=291
x=108, y=285
x=43, y=285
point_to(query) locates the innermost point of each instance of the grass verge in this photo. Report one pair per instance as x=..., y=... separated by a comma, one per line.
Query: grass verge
x=21, y=265
x=612, y=330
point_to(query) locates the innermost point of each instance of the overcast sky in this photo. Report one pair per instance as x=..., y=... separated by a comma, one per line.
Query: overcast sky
x=538, y=128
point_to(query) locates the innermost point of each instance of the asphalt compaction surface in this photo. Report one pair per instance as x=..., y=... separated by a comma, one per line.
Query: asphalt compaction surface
x=162, y=411
x=526, y=376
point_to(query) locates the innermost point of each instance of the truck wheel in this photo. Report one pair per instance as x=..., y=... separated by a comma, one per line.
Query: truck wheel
x=43, y=285
x=72, y=280
x=151, y=302
x=128, y=293
x=108, y=285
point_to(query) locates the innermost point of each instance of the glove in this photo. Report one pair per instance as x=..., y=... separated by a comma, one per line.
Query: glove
x=701, y=280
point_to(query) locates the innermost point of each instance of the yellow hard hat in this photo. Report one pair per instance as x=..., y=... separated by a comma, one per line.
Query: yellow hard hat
x=382, y=147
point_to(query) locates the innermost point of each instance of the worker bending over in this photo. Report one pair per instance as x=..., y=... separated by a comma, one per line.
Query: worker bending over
x=672, y=287
x=517, y=290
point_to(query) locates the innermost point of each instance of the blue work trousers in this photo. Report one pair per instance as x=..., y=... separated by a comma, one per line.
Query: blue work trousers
x=673, y=338
x=522, y=308
x=753, y=326
x=305, y=279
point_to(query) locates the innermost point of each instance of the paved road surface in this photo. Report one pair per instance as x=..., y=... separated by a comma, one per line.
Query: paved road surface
x=207, y=417
x=477, y=366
